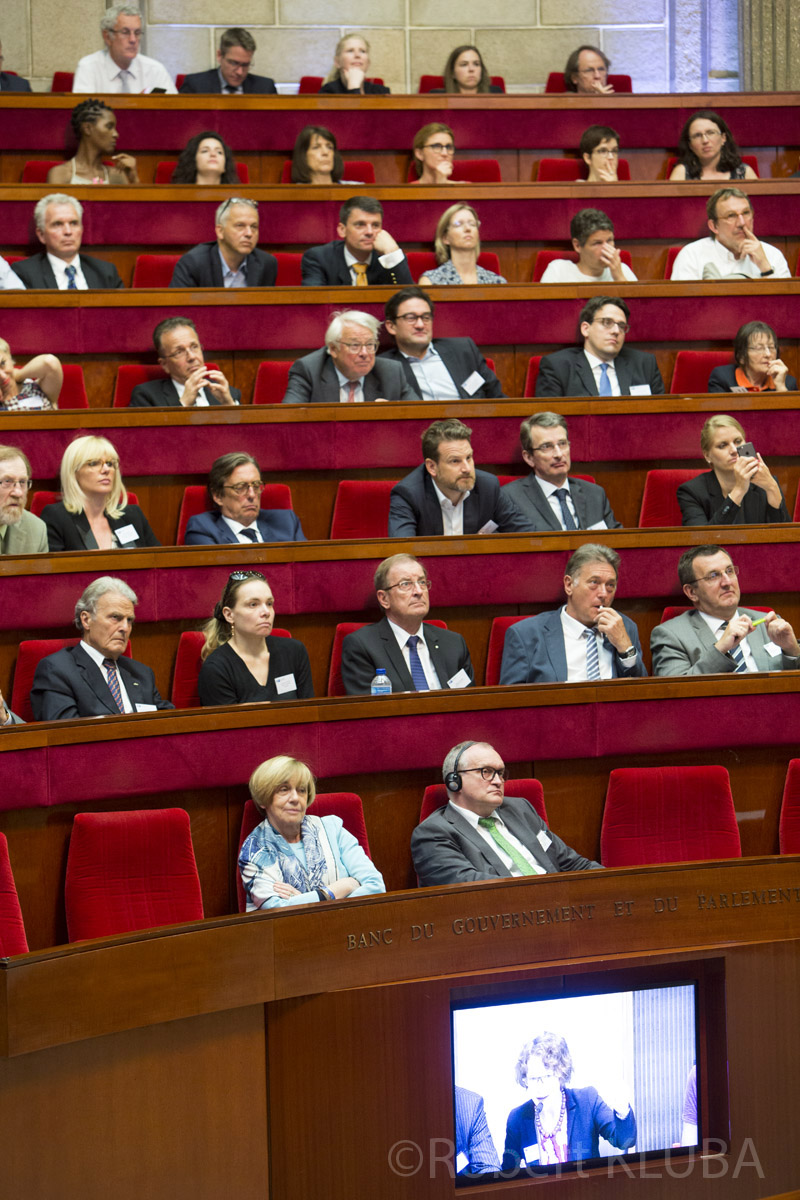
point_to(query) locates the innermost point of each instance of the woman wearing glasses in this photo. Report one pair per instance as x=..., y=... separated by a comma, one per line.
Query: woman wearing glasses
x=35, y=386
x=93, y=512
x=432, y=152
x=739, y=489
x=457, y=245
x=243, y=661
x=757, y=364
x=707, y=150
x=599, y=149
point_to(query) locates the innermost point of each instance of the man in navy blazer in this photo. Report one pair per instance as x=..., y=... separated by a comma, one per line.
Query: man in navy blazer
x=366, y=251
x=586, y=639
x=415, y=655
x=232, y=75
x=234, y=485
x=94, y=678
x=447, y=495
x=602, y=365
x=189, y=383
x=233, y=260
x=436, y=368
x=473, y=1138
x=58, y=219
x=456, y=845
x=345, y=370
x=549, y=497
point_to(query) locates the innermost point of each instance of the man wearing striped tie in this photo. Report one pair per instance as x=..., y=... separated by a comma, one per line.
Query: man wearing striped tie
x=716, y=635
x=481, y=833
x=586, y=639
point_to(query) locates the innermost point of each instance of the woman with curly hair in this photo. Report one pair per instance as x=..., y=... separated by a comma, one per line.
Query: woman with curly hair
x=95, y=161
x=707, y=150
x=206, y=158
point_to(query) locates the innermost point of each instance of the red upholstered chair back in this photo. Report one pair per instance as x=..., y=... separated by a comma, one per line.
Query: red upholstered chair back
x=12, y=927
x=567, y=170
x=790, y=810
x=693, y=367
x=345, y=805
x=668, y=814
x=545, y=257
x=361, y=509
x=428, y=82
x=467, y=170
x=749, y=159
x=73, y=390
x=153, y=270
x=436, y=796
x=180, y=79
x=165, y=168
x=40, y=500
x=272, y=378
x=195, y=501
x=335, y=685
x=28, y=657
x=62, y=81
x=421, y=261
x=187, y=667
x=672, y=254
x=129, y=375
x=130, y=870
x=358, y=170
x=35, y=170
x=494, y=656
x=290, y=272
x=555, y=82
x=796, y=514
x=659, y=499
x=531, y=375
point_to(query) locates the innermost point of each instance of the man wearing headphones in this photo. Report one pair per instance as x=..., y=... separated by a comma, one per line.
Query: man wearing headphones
x=480, y=835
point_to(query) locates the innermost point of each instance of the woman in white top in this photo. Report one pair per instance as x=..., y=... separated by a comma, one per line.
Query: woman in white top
x=95, y=128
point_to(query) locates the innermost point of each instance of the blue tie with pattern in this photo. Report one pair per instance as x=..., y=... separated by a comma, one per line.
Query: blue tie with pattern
x=605, y=382
x=417, y=673
x=70, y=273
x=113, y=682
x=569, y=522
x=592, y=657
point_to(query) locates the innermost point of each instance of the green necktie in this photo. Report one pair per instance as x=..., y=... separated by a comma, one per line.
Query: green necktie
x=522, y=864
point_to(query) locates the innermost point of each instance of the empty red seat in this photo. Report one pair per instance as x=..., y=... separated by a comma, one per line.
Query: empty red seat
x=165, y=168
x=693, y=368
x=12, y=926
x=195, y=500
x=153, y=270
x=361, y=509
x=555, y=82
x=436, y=796
x=272, y=379
x=73, y=389
x=497, y=639
x=289, y=268
x=569, y=170
x=29, y=655
x=187, y=667
x=62, y=81
x=545, y=257
x=660, y=497
x=36, y=170
x=531, y=375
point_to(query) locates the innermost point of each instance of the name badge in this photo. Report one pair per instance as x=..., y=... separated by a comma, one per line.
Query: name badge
x=772, y=649
x=473, y=384
x=489, y=527
x=545, y=842
x=598, y=525
x=460, y=679
x=285, y=683
x=31, y=402
x=462, y=1162
x=146, y=708
x=641, y=389
x=125, y=534
x=531, y=1154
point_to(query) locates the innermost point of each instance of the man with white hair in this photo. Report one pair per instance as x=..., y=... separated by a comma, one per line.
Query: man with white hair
x=120, y=67
x=345, y=370
x=59, y=227
x=233, y=260
x=94, y=678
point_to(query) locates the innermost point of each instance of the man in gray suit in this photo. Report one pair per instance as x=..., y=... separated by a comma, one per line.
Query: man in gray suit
x=417, y=656
x=480, y=834
x=20, y=531
x=717, y=635
x=345, y=370
x=549, y=497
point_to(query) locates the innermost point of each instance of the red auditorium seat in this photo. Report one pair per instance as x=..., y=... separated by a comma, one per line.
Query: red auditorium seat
x=130, y=870
x=40, y=500
x=672, y=254
x=436, y=796
x=165, y=168
x=153, y=270
x=357, y=169
x=428, y=82
x=545, y=257
x=790, y=810
x=569, y=170
x=272, y=379
x=531, y=375
x=468, y=170
x=421, y=261
x=659, y=500
x=693, y=367
x=494, y=656
x=668, y=814
x=555, y=82
x=195, y=500
x=12, y=926
x=35, y=170
x=29, y=655
x=73, y=389
x=749, y=159
x=335, y=685
x=187, y=667
x=62, y=81
x=361, y=509
x=179, y=80
x=345, y=805
x=289, y=268
x=310, y=84
x=129, y=375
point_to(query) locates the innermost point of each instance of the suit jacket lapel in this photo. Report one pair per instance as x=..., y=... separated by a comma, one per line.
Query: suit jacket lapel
x=48, y=277
x=623, y=368
x=432, y=513
x=579, y=500
x=82, y=526
x=540, y=501
x=132, y=685
x=522, y=833
x=466, y=831
x=94, y=678
x=330, y=382
x=585, y=374
x=342, y=269
x=554, y=644
x=432, y=638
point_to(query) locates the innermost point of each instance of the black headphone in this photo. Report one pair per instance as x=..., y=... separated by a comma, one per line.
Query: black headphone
x=452, y=780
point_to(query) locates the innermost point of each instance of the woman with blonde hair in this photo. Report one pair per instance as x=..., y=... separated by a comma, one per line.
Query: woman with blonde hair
x=294, y=857
x=347, y=76
x=457, y=245
x=739, y=489
x=35, y=386
x=433, y=149
x=243, y=662
x=93, y=512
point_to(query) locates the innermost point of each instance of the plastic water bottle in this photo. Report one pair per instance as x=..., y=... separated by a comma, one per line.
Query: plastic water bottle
x=381, y=685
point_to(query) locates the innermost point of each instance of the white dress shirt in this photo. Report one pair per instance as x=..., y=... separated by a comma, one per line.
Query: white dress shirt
x=564, y=270
x=718, y=627
x=690, y=261
x=99, y=73
x=231, y=278
x=596, y=363
x=422, y=650
x=432, y=376
x=549, y=490
x=575, y=648
x=236, y=527
x=452, y=514
x=59, y=268
x=386, y=260
x=8, y=278
x=344, y=389
x=501, y=827
x=97, y=657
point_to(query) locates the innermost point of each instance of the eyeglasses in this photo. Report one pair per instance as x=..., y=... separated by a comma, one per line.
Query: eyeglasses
x=7, y=484
x=241, y=489
x=762, y=348
x=551, y=447
x=540, y=1079
x=487, y=774
x=734, y=216
x=185, y=351
x=705, y=135
x=240, y=576
x=136, y=33
x=715, y=576
x=440, y=147
x=604, y=152
x=607, y=323
x=413, y=318
x=354, y=347
x=235, y=65
x=94, y=463
x=407, y=585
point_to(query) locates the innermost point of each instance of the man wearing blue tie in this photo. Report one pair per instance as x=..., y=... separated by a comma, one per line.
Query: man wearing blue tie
x=602, y=365
x=587, y=639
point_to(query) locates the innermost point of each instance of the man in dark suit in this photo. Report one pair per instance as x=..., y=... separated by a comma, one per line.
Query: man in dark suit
x=59, y=227
x=367, y=253
x=473, y=1138
x=345, y=370
x=416, y=656
x=586, y=639
x=480, y=834
x=9, y=82
x=232, y=75
x=233, y=260
x=603, y=365
x=94, y=678
x=436, y=368
x=189, y=383
x=548, y=497
x=234, y=488
x=446, y=494
x=717, y=635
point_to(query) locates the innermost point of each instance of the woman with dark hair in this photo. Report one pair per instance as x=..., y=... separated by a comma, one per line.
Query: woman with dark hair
x=347, y=76
x=599, y=149
x=738, y=490
x=757, y=365
x=457, y=245
x=707, y=150
x=243, y=663
x=466, y=74
x=432, y=150
x=560, y=1124
x=95, y=128
x=316, y=157
x=206, y=158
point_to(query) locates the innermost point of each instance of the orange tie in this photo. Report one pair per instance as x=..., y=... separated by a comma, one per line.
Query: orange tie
x=361, y=274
